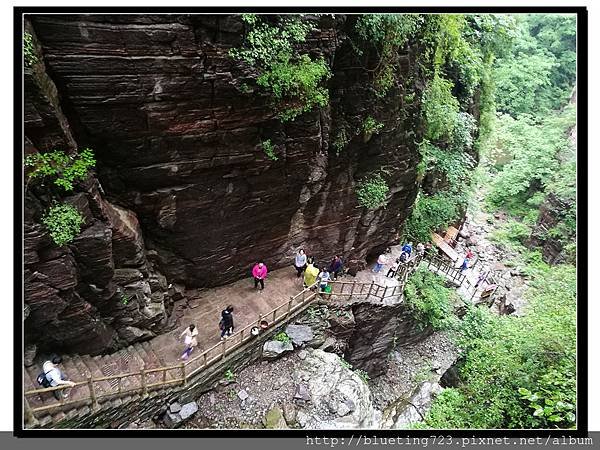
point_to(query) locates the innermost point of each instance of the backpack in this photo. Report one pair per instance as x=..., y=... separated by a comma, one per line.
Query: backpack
x=403, y=257
x=221, y=324
x=42, y=380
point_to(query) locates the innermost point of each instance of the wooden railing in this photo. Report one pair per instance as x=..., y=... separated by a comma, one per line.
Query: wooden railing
x=143, y=382
x=147, y=380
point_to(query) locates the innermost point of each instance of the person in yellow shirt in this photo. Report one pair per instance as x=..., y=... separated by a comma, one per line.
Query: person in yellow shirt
x=310, y=274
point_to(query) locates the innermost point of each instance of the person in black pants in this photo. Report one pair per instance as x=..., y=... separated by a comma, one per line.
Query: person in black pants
x=226, y=323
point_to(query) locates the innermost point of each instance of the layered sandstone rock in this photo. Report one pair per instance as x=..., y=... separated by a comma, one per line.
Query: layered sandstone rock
x=182, y=171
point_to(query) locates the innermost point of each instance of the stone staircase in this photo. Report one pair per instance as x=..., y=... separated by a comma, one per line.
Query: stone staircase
x=79, y=368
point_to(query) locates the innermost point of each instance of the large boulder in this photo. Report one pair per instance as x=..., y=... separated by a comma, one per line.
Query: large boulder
x=275, y=419
x=338, y=397
x=299, y=334
x=274, y=349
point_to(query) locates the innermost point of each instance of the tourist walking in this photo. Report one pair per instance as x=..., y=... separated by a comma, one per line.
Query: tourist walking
x=190, y=340
x=259, y=272
x=420, y=249
x=482, y=277
x=380, y=263
x=465, y=264
x=335, y=267
x=407, y=248
x=310, y=274
x=53, y=376
x=226, y=323
x=300, y=262
x=392, y=270
x=324, y=279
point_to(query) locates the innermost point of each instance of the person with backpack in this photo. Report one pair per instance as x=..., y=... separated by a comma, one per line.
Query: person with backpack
x=300, y=262
x=407, y=248
x=190, y=340
x=469, y=255
x=226, y=323
x=403, y=257
x=335, y=267
x=392, y=270
x=259, y=273
x=51, y=377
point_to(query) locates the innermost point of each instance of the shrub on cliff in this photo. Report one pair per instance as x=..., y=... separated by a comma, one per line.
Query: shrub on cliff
x=63, y=222
x=372, y=192
x=293, y=79
x=431, y=213
x=430, y=301
x=63, y=169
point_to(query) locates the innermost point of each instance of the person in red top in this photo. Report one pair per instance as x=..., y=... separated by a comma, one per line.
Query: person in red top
x=469, y=254
x=259, y=272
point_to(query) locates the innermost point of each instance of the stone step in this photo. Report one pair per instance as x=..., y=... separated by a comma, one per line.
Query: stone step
x=101, y=387
x=83, y=370
x=71, y=370
x=59, y=416
x=152, y=362
x=129, y=361
x=158, y=362
x=30, y=383
x=110, y=366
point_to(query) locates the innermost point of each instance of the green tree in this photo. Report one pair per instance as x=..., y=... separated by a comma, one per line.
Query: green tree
x=519, y=372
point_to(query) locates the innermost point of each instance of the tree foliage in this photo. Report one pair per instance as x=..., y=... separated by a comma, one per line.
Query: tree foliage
x=431, y=213
x=539, y=72
x=388, y=33
x=430, y=301
x=519, y=372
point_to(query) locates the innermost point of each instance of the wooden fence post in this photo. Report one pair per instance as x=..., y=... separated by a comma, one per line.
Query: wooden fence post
x=371, y=288
x=92, y=392
x=143, y=378
x=223, y=349
x=182, y=367
x=352, y=289
x=29, y=417
x=289, y=307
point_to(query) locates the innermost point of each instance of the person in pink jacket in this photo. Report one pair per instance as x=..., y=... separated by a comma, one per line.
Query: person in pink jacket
x=259, y=272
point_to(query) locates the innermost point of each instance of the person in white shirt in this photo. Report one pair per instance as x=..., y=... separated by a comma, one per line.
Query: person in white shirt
x=380, y=263
x=56, y=378
x=324, y=278
x=190, y=340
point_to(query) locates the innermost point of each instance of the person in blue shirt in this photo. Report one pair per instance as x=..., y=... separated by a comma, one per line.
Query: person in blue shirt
x=407, y=248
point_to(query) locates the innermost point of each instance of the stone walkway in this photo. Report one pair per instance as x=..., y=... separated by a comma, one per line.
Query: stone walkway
x=204, y=311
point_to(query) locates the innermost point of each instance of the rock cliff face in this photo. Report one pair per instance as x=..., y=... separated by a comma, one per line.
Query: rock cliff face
x=184, y=192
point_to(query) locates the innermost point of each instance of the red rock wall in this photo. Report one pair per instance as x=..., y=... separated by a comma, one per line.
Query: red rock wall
x=178, y=146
